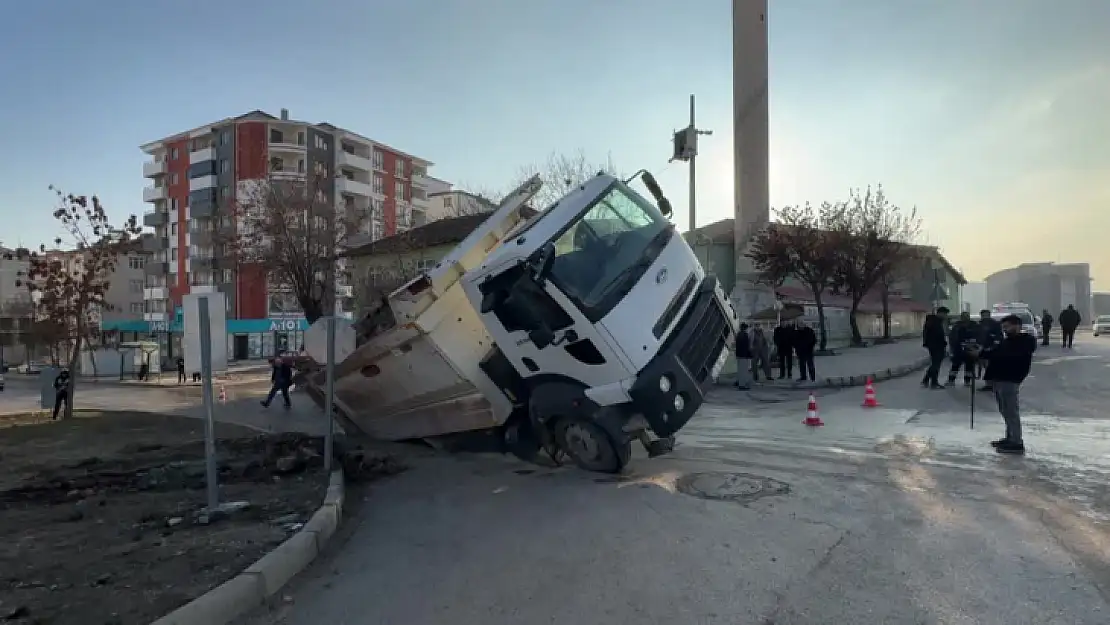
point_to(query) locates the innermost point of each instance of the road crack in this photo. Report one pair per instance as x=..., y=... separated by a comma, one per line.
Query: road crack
x=826, y=558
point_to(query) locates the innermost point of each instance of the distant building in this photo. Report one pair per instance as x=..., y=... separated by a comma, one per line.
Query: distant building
x=932, y=282
x=1043, y=286
x=974, y=297
x=1100, y=304
x=456, y=203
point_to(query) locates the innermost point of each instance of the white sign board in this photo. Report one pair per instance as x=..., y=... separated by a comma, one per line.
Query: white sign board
x=316, y=340
x=216, y=303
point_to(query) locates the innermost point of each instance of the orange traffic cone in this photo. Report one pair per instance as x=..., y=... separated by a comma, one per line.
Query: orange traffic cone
x=869, y=400
x=812, y=419
x=223, y=394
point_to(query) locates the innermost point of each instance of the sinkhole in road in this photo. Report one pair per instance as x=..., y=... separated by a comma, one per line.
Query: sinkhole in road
x=734, y=487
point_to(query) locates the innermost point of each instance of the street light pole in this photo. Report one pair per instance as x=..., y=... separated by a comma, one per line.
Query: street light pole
x=686, y=149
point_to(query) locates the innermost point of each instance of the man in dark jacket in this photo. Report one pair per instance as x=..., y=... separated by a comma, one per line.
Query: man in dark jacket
x=281, y=378
x=805, y=344
x=180, y=370
x=784, y=344
x=61, y=391
x=990, y=334
x=743, y=354
x=933, y=339
x=1008, y=366
x=960, y=337
x=1046, y=326
x=1069, y=321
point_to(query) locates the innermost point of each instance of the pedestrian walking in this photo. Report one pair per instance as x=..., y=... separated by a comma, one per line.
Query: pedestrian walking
x=1046, y=326
x=761, y=354
x=743, y=353
x=180, y=370
x=990, y=334
x=783, y=338
x=933, y=339
x=1008, y=365
x=61, y=391
x=960, y=337
x=1069, y=321
x=805, y=345
x=281, y=378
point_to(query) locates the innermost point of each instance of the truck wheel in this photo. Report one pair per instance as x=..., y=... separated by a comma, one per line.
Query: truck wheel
x=592, y=448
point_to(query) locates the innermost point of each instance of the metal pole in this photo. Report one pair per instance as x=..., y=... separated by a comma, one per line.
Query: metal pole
x=693, y=169
x=329, y=397
x=209, y=418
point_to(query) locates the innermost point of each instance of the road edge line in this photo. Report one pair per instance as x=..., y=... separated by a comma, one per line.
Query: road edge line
x=270, y=573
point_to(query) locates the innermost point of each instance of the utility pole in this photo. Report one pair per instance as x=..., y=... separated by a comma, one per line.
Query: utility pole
x=686, y=149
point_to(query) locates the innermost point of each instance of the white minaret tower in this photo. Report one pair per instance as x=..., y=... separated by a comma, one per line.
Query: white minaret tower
x=752, y=196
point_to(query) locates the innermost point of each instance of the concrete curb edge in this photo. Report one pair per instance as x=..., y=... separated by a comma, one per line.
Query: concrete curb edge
x=877, y=376
x=271, y=572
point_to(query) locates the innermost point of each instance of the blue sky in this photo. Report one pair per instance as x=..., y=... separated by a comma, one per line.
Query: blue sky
x=991, y=116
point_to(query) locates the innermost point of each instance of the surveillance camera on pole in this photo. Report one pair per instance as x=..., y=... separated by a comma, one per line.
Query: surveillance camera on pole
x=686, y=149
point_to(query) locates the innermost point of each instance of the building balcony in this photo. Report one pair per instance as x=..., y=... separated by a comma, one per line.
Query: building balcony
x=153, y=169
x=202, y=288
x=154, y=194
x=155, y=219
x=153, y=243
x=156, y=268
x=287, y=146
x=203, y=182
x=354, y=161
x=344, y=290
x=353, y=187
x=296, y=176
x=156, y=317
x=156, y=293
x=201, y=155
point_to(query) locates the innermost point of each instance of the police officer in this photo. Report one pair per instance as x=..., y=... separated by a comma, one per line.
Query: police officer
x=990, y=335
x=960, y=337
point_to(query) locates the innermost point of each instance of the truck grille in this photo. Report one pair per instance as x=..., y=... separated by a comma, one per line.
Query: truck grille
x=704, y=346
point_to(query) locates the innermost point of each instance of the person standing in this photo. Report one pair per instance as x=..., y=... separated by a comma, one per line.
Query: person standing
x=180, y=370
x=959, y=337
x=1069, y=321
x=990, y=334
x=1046, y=326
x=281, y=378
x=743, y=353
x=1007, y=367
x=61, y=391
x=784, y=345
x=761, y=354
x=933, y=339
x=805, y=343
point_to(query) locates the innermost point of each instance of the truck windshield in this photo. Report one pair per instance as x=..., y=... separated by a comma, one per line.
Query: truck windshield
x=606, y=250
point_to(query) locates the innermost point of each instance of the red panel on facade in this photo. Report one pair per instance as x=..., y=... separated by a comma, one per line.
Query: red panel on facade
x=177, y=192
x=252, y=292
x=389, y=187
x=251, y=151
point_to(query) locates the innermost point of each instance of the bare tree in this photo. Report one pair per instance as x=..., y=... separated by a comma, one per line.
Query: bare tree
x=291, y=230
x=69, y=287
x=898, y=269
x=561, y=173
x=799, y=245
x=871, y=238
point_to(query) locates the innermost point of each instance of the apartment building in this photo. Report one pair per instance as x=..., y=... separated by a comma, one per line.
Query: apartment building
x=455, y=203
x=1051, y=286
x=196, y=175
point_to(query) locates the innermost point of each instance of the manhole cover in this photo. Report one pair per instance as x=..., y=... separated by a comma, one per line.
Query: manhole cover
x=737, y=487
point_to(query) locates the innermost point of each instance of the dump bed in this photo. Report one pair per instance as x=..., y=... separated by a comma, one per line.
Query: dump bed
x=421, y=377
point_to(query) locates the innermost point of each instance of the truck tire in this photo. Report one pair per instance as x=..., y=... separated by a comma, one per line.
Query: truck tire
x=591, y=447
x=520, y=437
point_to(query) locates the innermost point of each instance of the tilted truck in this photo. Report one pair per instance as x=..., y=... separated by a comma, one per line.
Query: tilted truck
x=573, y=330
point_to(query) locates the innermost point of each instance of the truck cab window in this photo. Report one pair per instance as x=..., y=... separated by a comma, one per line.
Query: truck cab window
x=518, y=302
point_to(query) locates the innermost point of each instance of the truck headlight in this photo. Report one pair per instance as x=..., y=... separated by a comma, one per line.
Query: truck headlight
x=679, y=403
x=665, y=384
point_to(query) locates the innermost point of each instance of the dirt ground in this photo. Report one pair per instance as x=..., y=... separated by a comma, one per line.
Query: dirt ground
x=102, y=520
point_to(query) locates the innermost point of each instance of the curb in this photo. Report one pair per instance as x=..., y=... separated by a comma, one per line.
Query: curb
x=157, y=385
x=269, y=574
x=849, y=381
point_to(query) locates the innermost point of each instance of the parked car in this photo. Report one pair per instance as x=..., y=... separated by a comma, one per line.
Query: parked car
x=1101, y=325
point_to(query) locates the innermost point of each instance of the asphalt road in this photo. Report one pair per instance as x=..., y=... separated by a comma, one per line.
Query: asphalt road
x=896, y=515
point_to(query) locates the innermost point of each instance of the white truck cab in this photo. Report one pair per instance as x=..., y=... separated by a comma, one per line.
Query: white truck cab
x=583, y=327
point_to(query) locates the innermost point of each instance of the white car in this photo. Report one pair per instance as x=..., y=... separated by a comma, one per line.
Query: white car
x=1101, y=325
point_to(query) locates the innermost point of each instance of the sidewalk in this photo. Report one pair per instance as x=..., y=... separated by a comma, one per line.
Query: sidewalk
x=169, y=379
x=851, y=366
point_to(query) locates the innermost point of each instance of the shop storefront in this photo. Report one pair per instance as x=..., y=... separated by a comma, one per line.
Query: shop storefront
x=247, y=339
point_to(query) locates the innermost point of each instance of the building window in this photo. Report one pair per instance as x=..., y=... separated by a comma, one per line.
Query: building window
x=173, y=154
x=225, y=166
x=447, y=201
x=173, y=229
x=136, y=308
x=276, y=136
x=400, y=167
x=379, y=159
x=225, y=137
x=225, y=191
x=399, y=189
x=300, y=138
x=173, y=178
x=136, y=286
x=171, y=278
x=379, y=184
x=173, y=204
x=136, y=262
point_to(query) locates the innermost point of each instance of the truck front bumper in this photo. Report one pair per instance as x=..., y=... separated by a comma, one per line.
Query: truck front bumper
x=671, y=388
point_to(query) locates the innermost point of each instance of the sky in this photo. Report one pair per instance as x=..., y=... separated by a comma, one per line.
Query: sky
x=991, y=117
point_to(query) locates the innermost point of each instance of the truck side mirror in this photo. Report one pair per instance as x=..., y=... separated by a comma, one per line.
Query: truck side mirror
x=657, y=193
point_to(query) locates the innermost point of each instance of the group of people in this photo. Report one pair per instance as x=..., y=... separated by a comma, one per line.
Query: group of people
x=791, y=339
x=998, y=350
x=1069, y=322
